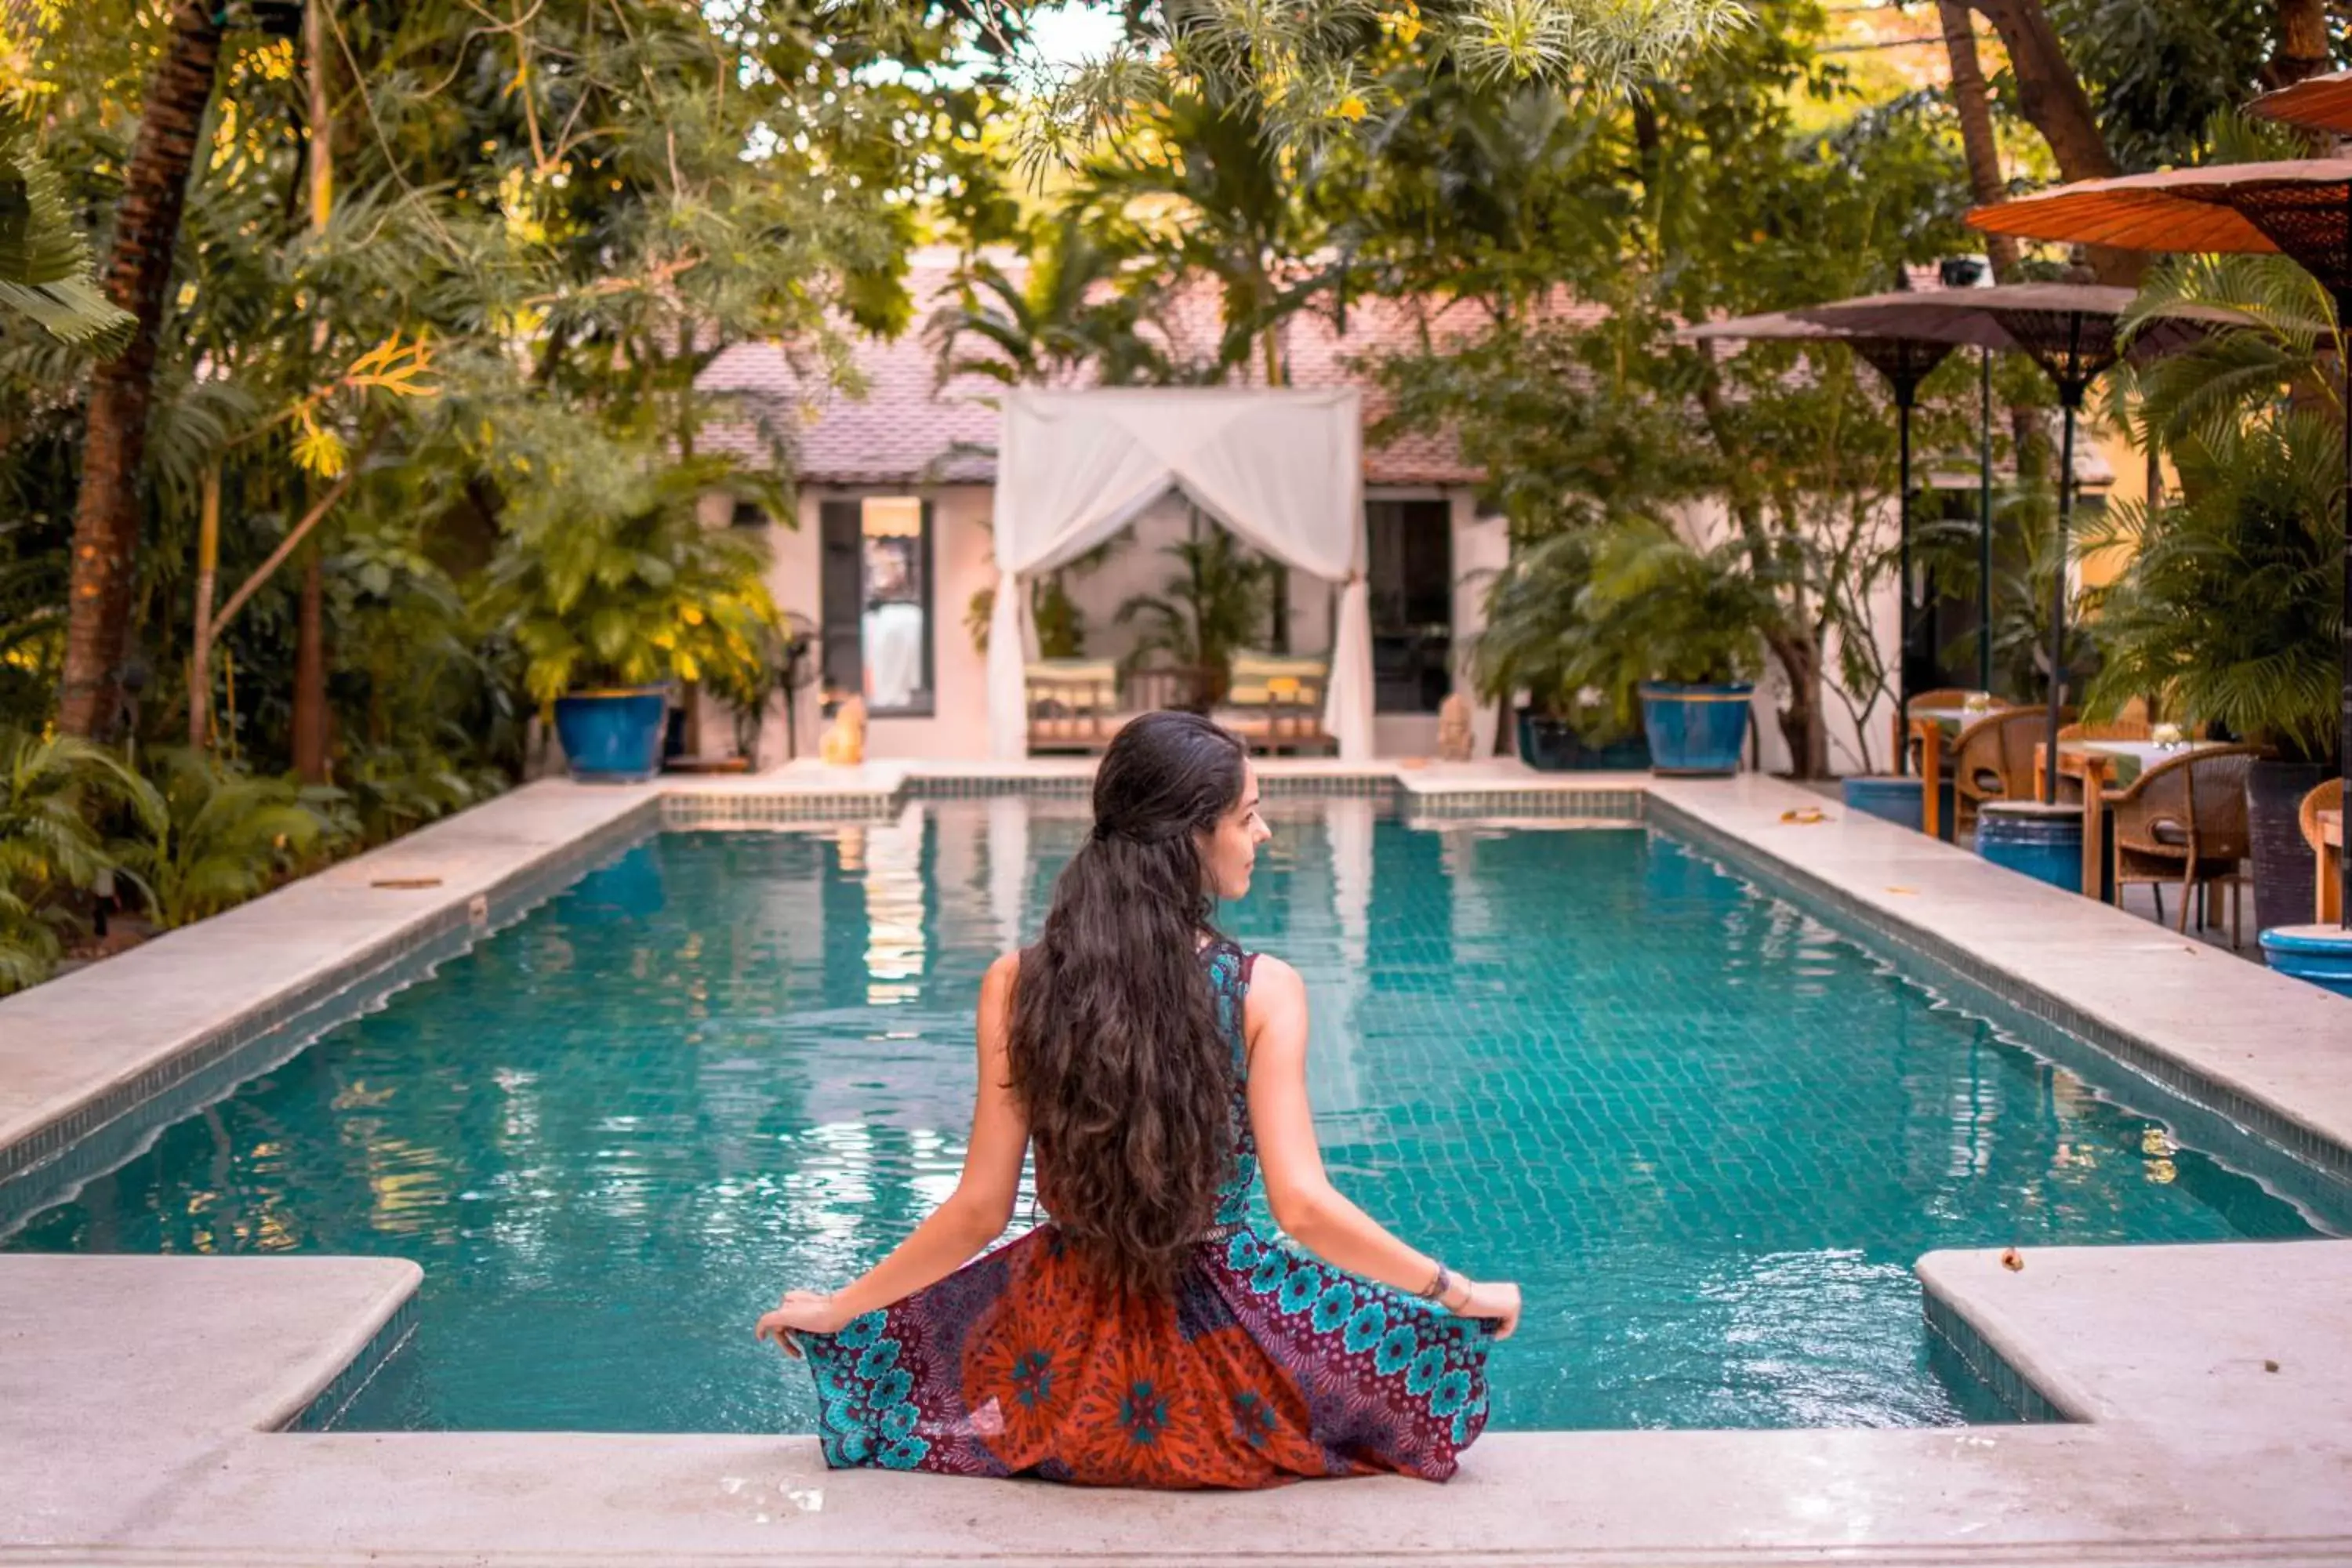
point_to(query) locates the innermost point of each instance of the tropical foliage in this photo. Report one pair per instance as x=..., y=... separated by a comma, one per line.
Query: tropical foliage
x=2231, y=610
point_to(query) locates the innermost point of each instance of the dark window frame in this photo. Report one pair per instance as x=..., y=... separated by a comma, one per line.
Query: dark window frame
x=1412, y=670
x=841, y=638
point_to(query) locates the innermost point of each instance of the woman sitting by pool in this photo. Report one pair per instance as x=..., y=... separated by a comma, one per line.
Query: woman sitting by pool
x=1149, y=1334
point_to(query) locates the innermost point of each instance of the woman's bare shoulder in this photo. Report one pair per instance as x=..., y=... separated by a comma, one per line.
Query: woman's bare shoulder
x=1273, y=982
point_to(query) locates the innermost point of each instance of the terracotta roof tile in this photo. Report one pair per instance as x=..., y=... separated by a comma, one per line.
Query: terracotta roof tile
x=906, y=428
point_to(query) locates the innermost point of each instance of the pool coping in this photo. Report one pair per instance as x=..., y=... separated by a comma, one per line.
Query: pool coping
x=218, y=997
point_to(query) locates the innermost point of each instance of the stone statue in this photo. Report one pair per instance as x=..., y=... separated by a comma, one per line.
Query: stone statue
x=1454, y=741
x=844, y=746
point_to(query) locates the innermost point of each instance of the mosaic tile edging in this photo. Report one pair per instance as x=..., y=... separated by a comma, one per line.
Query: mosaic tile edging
x=2052, y=1026
x=1988, y=1366
x=685, y=809
x=326, y=1407
x=1608, y=806
x=49, y=1163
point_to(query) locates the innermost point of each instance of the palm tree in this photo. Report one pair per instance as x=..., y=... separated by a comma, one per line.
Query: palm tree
x=1071, y=312
x=137, y=274
x=1237, y=218
x=1212, y=606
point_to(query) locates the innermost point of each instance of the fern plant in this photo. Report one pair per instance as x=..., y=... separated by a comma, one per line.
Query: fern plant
x=1659, y=608
x=51, y=787
x=609, y=578
x=205, y=836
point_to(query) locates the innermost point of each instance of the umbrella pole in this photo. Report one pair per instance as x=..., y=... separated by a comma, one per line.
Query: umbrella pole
x=1904, y=399
x=2343, y=633
x=2068, y=397
x=1984, y=521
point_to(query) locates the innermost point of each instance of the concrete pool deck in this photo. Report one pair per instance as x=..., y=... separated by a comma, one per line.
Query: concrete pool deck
x=2209, y=1387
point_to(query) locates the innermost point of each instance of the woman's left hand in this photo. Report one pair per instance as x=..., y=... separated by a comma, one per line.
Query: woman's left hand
x=805, y=1311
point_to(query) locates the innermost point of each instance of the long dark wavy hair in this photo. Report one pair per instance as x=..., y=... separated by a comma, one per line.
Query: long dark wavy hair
x=1115, y=1052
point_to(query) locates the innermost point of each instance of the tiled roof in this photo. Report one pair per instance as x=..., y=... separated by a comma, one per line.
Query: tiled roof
x=906, y=428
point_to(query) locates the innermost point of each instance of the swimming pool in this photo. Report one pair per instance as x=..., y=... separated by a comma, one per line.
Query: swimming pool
x=1708, y=1134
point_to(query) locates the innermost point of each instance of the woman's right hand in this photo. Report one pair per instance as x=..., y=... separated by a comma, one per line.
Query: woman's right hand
x=1489, y=1300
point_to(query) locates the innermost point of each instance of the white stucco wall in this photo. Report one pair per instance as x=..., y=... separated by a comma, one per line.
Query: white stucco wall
x=962, y=566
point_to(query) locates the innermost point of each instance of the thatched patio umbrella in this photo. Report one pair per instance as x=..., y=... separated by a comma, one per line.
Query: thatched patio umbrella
x=1905, y=362
x=2302, y=209
x=2068, y=329
x=2321, y=102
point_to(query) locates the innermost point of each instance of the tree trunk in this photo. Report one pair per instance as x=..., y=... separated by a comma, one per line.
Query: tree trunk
x=200, y=652
x=2302, y=49
x=1973, y=102
x=1800, y=721
x=2051, y=97
x=138, y=278
x=311, y=670
x=310, y=738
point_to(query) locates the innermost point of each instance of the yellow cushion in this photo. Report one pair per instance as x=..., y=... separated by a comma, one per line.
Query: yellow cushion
x=1259, y=678
x=1061, y=685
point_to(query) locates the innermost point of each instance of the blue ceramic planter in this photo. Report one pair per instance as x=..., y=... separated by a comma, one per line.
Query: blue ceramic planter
x=1696, y=729
x=612, y=737
x=2321, y=955
x=2044, y=842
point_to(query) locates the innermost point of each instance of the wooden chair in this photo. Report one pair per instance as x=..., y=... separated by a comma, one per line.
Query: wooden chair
x=1274, y=701
x=1992, y=759
x=1073, y=704
x=2184, y=820
x=2326, y=904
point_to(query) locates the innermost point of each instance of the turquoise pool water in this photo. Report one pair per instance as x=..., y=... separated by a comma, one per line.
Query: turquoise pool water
x=1708, y=1134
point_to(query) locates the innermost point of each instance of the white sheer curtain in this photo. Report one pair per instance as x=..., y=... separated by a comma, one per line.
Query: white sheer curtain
x=1282, y=468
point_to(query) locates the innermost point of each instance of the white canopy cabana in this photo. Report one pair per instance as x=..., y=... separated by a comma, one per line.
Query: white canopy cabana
x=1281, y=468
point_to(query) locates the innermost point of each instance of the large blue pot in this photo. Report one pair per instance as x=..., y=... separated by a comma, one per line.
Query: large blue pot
x=1553, y=745
x=1696, y=729
x=1892, y=797
x=612, y=737
x=2321, y=955
x=2044, y=842
x=1899, y=798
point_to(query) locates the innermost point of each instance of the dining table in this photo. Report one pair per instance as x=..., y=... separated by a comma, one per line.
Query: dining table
x=2327, y=889
x=2105, y=766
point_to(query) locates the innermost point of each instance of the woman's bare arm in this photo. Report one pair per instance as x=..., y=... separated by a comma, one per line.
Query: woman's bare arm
x=1304, y=1201
x=975, y=1213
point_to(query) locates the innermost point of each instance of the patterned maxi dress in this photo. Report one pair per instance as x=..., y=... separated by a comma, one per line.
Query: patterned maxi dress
x=1264, y=1367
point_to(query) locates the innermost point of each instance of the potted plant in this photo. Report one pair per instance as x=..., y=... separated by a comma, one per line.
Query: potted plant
x=615, y=590
x=1681, y=626
x=2231, y=608
x=1527, y=647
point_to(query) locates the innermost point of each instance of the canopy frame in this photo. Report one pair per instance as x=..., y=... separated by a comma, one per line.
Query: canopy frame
x=1281, y=468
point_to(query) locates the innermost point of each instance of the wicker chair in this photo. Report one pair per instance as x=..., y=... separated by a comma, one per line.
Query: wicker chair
x=1992, y=759
x=2329, y=796
x=2184, y=820
x=1941, y=697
